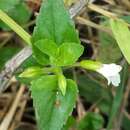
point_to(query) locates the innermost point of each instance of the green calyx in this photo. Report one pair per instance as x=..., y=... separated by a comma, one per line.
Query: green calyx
x=35, y=71
x=62, y=83
x=61, y=80
x=31, y=72
x=90, y=65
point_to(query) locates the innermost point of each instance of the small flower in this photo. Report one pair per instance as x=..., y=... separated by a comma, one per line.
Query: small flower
x=111, y=73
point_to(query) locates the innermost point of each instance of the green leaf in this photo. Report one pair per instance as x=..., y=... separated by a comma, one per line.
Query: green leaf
x=19, y=12
x=117, y=102
x=71, y=123
x=6, y=5
x=68, y=54
x=30, y=62
x=126, y=123
x=109, y=52
x=47, y=46
x=54, y=23
x=40, y=57
x=6, y=53
x=92, y=121
x=51, y=107
x=126, y=18
x=93, y=92
x=122, y=35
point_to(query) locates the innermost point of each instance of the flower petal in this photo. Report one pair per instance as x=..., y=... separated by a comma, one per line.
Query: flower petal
x=111, y=73
x=115, y=80
x=109, y=69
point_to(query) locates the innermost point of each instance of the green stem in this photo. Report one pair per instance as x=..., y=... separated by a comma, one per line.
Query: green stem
x=57, y=70
x=48, y=70
x=15, y=27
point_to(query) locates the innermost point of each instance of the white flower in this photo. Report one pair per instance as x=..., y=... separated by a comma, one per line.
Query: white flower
x=111, y=73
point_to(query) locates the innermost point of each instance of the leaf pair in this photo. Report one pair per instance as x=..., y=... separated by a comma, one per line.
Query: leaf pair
x=63, y=55
x=53, y=23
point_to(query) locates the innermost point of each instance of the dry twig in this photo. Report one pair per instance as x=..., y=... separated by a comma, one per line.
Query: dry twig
x=9, y=116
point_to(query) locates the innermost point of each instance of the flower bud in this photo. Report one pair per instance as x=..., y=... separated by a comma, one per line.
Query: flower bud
x=62, y=83
x=31, y=72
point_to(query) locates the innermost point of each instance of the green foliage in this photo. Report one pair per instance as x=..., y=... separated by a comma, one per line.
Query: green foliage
x=56, y=46
x=121, y=33
x=68, y=54
x=6, y=53
x=109, y=51
x=53, y=23
x=65, y=54
x=126, y=123
x=93, y=92
x=30, y=62
x=21, y=16
x=71, y=123
x=48, y=47
x=118, y=97
x=92, y=121
x=126, y=18
x=40, y=57
x=52, y=109
x=8, y=4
